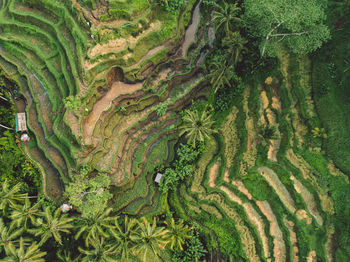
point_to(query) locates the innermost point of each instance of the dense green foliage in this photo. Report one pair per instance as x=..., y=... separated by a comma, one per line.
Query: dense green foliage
x=182, y=168
x=89, y=193
x=266, y=165
x=298, y=25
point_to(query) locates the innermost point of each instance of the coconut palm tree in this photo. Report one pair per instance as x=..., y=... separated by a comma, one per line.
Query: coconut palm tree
x=100, y=252
x=8, y=236
x=91, y=227
x=66, y=256
x=177, y=233
x=149, y=238
x=234, y=43
x=197, y=126
x=221, y=74
x=10, y=197
x=22, y=214
x=122, y=234
x=23, y=254
x=226, y=17
x=51, y=226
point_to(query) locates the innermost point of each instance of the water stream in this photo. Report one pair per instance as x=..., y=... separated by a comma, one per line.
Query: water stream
x=190, y=33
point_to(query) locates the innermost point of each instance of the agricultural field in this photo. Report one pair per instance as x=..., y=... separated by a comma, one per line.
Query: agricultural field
x=242, y=107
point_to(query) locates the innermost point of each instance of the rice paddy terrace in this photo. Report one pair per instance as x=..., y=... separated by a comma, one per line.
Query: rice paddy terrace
x=118, y=66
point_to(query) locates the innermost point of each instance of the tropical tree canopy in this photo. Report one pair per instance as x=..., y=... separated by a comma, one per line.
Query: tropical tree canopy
x=226, y=17
x=298, y=24
x=177, y=233
x=122, y=234
x=51, y=226
x=92, y=227
x=197, y=126
x=27, y=212
x=149, y=238
x=23, y=253
x=10, y=196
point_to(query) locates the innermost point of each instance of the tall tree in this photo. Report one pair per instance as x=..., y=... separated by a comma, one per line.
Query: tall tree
x=101, y=251
x=149, y=238
x=226, y=17
x=8, y=236
x=122, y=234
x=298, y=24
x=92, y=227
x=197, y=126
x=24, y=254
x=177, y=233
x=234, y=43
x=10, y=196
x=24, y=213
x=51, y=226
x=221, y=72
x=89, y=194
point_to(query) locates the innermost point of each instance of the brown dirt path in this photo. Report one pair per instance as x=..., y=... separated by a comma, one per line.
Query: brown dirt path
x=279, y=250
x=309, y=200
x=240, y=186
x=293, y=239
x=212, y=174
x=102, y=105
x=273, y=180
x=258, y=223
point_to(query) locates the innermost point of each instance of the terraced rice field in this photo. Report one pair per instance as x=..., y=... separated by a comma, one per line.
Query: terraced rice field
x=271, y=193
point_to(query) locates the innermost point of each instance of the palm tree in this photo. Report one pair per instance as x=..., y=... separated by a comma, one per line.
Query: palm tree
x=101, y=252
x=197, y=126
x=149, y=238
x=122, y=234
x=9, y=197
x=177, y=233
x=67, y=257
x=225, y=18
x=23, y=254
x=220, y=74
x=267, y=133
x=8, y=236
x=22, y=214
x=51, y=226
x=92, y=227
x=234, y=42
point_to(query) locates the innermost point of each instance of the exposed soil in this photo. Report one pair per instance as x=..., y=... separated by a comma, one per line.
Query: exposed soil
x=312, y=256
x=272, y=178
x=103, y=104
x=258, y=223
x=212, y=174
x=279, y=250
x=264, y=100
x=231, y=195
x=74, y=123
x=309, y=200
x=227, y=176
x=293, y=239
x=239, y=184
x=276, y=104
x=302, y=215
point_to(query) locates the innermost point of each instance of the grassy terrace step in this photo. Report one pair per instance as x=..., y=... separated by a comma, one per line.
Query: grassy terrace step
x=64, y=38
x=51, y=178
x=42, y=106
x=51, y=76
x=50, y=37
x=137, y=197
x=34, y=122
